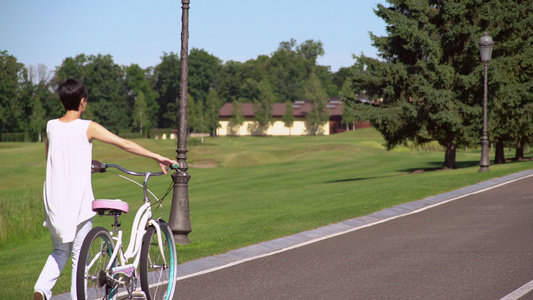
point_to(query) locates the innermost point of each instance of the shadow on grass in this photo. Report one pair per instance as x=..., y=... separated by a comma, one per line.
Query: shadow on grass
x=434, y=166
x=356, y=179
x=437, y=166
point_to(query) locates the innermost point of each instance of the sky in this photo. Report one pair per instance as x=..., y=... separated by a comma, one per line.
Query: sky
x=141, y=31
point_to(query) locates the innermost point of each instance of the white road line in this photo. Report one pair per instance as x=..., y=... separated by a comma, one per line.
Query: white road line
x=521, y=291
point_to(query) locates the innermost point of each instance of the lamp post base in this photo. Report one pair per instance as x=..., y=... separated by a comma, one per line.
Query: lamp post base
x=484, y=169
x=484, y=163
x=179, y=221
x=181, y=238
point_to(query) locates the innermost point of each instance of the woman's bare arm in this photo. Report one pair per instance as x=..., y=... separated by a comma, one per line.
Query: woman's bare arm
x=98, y=132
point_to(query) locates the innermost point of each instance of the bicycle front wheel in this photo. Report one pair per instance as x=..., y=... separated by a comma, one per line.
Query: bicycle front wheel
x=91, y=275
x=158, y=270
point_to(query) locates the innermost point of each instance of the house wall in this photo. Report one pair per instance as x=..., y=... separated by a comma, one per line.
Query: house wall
x=278, y=128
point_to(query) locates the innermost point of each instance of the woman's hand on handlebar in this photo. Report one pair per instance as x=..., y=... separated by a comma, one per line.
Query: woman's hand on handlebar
x=165, y=162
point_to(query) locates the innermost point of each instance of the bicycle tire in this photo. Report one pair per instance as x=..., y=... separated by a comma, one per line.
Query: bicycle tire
x=154, y=273
x=96, y=250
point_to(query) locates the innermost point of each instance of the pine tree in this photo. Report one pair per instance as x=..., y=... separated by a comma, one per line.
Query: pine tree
x=510, y=72
x=428, y=74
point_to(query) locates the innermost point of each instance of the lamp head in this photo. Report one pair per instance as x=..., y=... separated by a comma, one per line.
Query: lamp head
x=485, y=47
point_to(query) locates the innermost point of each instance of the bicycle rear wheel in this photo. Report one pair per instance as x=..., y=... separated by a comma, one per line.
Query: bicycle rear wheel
x=158, y=279
x=91, y=274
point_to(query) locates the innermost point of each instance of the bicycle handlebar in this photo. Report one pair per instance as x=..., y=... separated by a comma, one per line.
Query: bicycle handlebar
x=99, y=167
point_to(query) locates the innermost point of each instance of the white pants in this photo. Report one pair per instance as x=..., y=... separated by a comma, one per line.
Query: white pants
x=57, y=260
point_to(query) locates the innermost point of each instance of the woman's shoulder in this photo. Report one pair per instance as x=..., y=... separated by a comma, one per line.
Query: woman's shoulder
x=85, y=121
x=52, y=122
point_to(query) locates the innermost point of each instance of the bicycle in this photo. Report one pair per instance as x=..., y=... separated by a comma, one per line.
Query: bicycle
x=103, y=265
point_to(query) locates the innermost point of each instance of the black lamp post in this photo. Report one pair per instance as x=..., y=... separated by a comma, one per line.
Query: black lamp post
x=179, y=221
x=485, y=50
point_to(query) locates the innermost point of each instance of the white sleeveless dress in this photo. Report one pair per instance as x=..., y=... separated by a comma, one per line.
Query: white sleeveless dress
x=68, y=190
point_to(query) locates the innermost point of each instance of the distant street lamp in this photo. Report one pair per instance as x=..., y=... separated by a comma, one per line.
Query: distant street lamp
x=179, y=220
x=485, y=50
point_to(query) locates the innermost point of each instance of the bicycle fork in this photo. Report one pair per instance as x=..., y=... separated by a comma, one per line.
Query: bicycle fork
x=159, y=241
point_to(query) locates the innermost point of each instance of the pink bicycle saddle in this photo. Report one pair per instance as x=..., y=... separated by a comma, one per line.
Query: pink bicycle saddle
x=116, y=206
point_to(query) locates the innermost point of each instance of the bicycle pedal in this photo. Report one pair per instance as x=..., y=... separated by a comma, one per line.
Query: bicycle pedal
x=138, y=295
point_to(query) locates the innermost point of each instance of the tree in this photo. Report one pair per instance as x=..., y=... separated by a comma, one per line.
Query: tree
x=310, y=50
x=106, y=85
x=290, y=67
x=288, y=116
x=212, y=110
x=71, y=67
x=316, y=95
x=428, y=75
x=194, y=114
x=141, y=116
x=230, y=80
x=39, y=85
x=249, y=90
x=166, y=83
x=325, y=76
x=12, y=74
x=263, y=107
x=105, y=81
x=37, y=119
x=204, y=72
x=340, y=77
x=39, y=74
x=137, y=82
x=343, y=75
x=201, y=116
x=288, y=72
x=510, y=73
x=348, y=95
x=237, y=118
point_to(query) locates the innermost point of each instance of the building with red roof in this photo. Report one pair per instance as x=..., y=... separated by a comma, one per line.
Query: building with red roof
x=300, y=110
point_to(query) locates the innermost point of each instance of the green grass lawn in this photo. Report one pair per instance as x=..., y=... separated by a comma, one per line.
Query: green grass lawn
x=243, y=190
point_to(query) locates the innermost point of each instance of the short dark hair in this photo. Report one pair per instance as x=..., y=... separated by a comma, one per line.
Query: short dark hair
x=71, y=92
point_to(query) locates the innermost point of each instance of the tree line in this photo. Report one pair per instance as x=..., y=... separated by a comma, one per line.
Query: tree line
x=426, y=84
x=429, y=75
x=130, y=97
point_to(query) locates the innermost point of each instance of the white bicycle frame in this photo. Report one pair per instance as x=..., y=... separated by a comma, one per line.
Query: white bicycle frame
x=142, y=220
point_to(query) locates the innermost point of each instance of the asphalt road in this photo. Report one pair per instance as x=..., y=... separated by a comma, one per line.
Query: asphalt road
x=474, y=246
x=473, y=243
